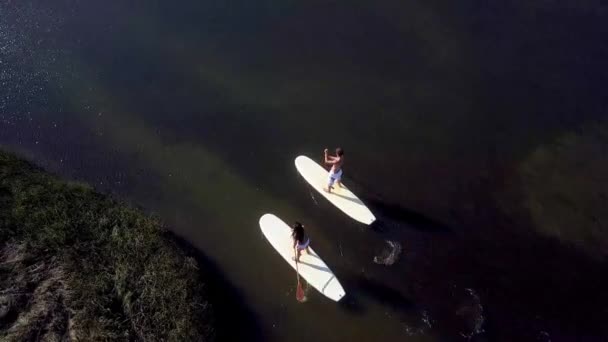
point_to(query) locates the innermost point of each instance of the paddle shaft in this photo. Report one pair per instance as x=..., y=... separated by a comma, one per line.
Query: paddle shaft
x=297, y=271
x=299, y=291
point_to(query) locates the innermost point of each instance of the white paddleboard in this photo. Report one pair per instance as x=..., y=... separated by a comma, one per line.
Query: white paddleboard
x=342, y=198
x=310, y=267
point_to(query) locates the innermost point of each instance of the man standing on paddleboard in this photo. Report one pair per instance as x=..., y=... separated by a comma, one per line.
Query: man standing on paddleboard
x=335, y=174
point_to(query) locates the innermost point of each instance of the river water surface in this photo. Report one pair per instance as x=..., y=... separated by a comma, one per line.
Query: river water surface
x=476, y=132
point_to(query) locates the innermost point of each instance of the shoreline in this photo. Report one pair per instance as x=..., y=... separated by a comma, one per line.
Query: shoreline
x=82, y=265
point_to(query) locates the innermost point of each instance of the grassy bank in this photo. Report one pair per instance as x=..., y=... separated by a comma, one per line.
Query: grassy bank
x=76, y=264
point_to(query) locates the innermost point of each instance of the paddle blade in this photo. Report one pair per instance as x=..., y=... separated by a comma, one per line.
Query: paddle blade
x=300, y=296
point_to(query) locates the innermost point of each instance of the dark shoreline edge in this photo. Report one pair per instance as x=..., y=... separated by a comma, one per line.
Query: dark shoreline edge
x=234, y=320
x=75, y=263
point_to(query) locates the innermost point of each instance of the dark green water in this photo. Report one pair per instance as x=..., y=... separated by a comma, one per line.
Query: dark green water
x=476, y=132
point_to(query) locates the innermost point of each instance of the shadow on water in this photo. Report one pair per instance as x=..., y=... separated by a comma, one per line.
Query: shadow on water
x=383, y=294
x=414, y=319
x=363, y=287
x=390, y=211
x=396, y=212
x=234, y=321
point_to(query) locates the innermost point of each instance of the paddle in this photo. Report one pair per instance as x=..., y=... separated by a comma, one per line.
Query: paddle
x=299, y=290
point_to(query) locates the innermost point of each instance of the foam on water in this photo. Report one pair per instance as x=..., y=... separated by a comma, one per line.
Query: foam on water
x=389, y=255
x=471, y=311
x=426, y=323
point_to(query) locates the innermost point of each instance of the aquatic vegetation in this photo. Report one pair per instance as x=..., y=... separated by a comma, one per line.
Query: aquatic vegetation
x=566, y=191
x=75, y=263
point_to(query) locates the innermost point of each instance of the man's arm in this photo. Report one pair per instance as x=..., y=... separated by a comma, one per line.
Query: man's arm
x=330, y=159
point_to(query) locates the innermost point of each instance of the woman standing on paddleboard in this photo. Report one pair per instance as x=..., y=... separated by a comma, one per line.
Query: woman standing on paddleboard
x=335, y=174
x=300, y=240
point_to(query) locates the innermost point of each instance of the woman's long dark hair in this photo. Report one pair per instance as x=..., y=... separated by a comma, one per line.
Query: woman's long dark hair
x=297, y=232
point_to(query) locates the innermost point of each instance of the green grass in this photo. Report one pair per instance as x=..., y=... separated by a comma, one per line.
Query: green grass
x=76, y=263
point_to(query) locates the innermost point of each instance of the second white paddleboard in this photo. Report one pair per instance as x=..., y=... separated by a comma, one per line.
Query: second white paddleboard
x=311, y=267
